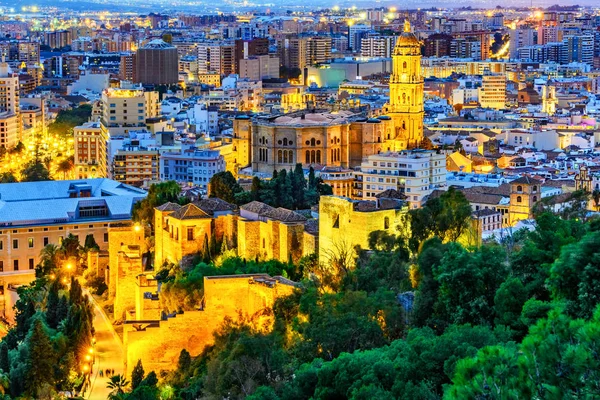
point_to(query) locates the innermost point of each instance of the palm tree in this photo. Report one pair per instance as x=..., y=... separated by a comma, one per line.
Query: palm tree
x=66, y=166
x=117, y=383
x=50, y=254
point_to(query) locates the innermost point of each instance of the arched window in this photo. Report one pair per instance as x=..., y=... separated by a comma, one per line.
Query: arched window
x=318, y=156
x=404, y=65
x=534, y=188
x=312, y=156
x=534, y=199
x=339, y=154
x=307, y=157
x=519, y=200
x=403, y=125
x=291, y=156
x=519, y=188
x=386, y=223
x=285, y=157
x=285, y=141
x=312, y=142
x=379, y=139
x=279, y=158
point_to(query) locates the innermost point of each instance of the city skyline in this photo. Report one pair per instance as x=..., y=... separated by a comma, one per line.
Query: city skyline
x=288, y=201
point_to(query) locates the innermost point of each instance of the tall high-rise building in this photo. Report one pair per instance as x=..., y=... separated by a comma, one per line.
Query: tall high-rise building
x=292, y=52
x=126, y=108
x=577, y=48
x=437, y=45
x=215, y=57
x=257, y=68
x=157, y=63
x=249, y=48
x=29, y=52
x=378, y=46
x=519, y=38
x=318, y=50
x=90, y=140
x=406, y=91
x=492, y=93
x=355, y=35
x=58, y=39
x=9, y=106
x=127, y=67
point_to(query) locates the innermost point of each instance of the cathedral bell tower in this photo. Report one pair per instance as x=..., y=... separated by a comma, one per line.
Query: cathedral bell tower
x=406, y=91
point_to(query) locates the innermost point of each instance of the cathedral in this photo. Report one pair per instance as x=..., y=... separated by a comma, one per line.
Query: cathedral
x=338, y=138
x=406, y=91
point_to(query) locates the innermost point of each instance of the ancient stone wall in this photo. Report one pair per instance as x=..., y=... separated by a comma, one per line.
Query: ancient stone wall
x=158, y=343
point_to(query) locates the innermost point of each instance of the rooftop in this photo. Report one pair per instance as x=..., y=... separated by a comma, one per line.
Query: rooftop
x=51, y=202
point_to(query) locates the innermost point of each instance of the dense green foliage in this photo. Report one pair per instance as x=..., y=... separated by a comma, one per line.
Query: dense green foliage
x=496, y=321
x=287, y=189
x=158, y=194
x=66, y=120
x=35, y=171
x=45, y=351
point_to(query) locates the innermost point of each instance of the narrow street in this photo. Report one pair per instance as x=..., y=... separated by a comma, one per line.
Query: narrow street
x=109, y=354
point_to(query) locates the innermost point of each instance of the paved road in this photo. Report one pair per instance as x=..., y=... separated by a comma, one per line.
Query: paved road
x=109, y=354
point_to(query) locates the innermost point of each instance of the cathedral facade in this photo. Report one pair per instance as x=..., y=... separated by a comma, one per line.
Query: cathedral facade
x=341, y=138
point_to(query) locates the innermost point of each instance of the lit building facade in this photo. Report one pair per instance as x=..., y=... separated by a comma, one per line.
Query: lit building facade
x=492, y=93
x=90, y=141
x=126, y=108
x=136, y=166
x=191, y=165
x=413, y=173
x=35, y=214
x=406, y=92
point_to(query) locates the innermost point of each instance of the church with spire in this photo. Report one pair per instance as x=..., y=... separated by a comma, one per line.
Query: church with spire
x=406, y=91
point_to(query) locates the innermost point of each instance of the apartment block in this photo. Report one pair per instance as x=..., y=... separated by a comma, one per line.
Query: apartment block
x=415, y=173
x=90, y=141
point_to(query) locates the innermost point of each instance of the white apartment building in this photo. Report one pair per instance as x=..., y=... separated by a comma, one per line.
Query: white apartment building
x=416, y=173
x=191, y=165
x=521, y=37
x=355, y=34
x=379, y=46
x=543, y=140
